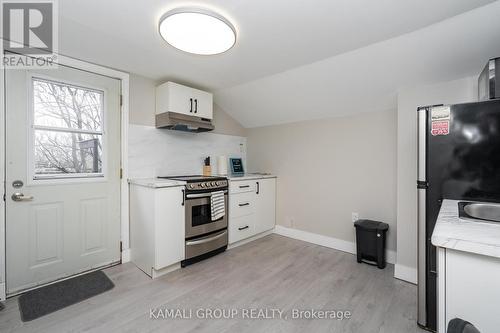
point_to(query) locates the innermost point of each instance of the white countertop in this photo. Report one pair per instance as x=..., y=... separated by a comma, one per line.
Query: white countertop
x=455, y=233
x=250, y=176
x=159, y=183
x=156, y=182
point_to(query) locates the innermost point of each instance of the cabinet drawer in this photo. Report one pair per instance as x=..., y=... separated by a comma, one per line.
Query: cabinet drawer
x=241, y=186
x=241, y=228
x=241, y=204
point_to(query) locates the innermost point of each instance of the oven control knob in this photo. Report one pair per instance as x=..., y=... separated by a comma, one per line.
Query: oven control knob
x=202, y=185
x=213, y=184
x=191, y=186
x=207, y=184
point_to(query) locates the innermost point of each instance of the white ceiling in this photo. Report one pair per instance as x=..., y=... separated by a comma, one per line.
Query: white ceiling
x=336, y=47
x=367, y=79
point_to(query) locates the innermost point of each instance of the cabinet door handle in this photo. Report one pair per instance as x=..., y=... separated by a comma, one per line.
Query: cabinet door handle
x=244, y=186
x=243, y=228
x=195, y=105
x=191, y=103
x=258, y=188
x=183, y=198
x=244, y=204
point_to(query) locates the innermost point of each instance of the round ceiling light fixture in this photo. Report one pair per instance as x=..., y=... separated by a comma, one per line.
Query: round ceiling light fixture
x=197, y=31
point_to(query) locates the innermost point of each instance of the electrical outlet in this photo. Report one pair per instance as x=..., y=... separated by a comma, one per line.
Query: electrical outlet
x=355, y=217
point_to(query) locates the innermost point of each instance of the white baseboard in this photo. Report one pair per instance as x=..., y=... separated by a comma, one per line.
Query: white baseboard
x=125, y=255
x=333, y=243
x=157, y=273
x=405, y=273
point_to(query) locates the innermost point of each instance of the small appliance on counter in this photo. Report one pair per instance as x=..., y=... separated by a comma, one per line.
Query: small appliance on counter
x=236, y=167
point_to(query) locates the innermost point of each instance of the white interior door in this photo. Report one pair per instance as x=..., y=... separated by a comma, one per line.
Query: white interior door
x=62, y=174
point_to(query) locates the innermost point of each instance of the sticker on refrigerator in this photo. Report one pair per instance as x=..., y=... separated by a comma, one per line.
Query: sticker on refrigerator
x=440, y=120
x=440, y=113
x=440, y=127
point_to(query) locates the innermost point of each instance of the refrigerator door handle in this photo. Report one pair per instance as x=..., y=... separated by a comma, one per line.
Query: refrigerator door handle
x=422, y=186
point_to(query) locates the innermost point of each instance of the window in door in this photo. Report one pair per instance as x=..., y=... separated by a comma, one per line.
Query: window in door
x=67, y=130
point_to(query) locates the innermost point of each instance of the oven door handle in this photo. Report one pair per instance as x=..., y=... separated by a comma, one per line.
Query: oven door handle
x=206, y=240
x=201, y=195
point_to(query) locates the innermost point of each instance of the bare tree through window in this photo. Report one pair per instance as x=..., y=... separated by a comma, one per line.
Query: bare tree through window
x=68, y=128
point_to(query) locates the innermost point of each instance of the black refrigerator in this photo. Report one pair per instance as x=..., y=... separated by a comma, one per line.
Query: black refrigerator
x=458, y=158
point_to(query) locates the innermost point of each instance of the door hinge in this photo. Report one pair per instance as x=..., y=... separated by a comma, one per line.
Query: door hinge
x=121, y=100
x=4, y=197
x=121, y=247
x=121, y=173
x=422, y=185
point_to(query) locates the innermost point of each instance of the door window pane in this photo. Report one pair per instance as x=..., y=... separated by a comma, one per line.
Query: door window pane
x=67, y=153
x=67, y=130
x=61, y=105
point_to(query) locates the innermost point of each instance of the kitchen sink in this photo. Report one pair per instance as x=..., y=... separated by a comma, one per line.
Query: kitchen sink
x=485, y=212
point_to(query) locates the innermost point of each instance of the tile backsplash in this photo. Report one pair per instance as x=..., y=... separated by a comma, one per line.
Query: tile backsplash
x=156, y=152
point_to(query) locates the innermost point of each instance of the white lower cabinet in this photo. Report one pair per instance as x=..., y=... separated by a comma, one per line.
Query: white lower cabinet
x=265, y=204
x=468, y=288
x=252, y=207
x=157, y=227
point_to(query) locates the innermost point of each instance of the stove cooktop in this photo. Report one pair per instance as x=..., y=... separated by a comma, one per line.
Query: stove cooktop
x=194, y=178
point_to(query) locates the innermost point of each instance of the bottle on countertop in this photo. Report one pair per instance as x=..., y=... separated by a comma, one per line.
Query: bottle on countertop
x=207, y=169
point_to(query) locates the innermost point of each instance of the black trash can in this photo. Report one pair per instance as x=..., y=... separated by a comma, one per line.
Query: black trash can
x=370, y=242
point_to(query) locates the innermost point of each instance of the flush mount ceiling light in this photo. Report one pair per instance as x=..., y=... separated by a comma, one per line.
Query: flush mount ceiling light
x=197, y=31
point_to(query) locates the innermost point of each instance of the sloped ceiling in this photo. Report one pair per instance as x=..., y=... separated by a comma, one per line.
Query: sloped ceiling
x=367, y=79
x=293, y=59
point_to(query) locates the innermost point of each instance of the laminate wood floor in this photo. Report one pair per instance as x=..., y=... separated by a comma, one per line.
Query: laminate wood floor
x=273, y=272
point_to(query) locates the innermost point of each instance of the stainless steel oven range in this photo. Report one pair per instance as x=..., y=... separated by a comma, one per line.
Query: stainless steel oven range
x=204, y=237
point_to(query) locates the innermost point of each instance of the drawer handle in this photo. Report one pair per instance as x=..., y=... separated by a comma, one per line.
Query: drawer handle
x=244, y=204
x=243, y=228
x=244, y=186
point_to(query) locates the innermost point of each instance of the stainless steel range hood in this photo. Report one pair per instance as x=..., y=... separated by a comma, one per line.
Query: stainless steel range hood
x=181, y=122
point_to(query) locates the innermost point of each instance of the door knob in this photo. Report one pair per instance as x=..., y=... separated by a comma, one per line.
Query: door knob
x=21, y=197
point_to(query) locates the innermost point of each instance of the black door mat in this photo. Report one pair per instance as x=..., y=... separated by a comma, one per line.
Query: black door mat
x=42, y=301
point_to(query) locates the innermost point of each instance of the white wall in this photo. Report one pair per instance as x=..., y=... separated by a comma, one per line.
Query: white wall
x=409, y=99
x=328, y=169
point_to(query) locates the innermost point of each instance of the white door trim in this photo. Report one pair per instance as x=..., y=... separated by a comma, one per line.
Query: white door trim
x=93, y=68
x=2, y=191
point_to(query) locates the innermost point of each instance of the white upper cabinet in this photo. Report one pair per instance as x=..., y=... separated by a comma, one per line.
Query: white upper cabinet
x=173, y=97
